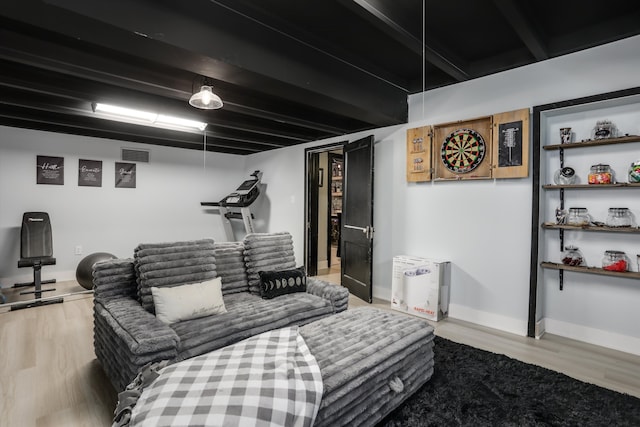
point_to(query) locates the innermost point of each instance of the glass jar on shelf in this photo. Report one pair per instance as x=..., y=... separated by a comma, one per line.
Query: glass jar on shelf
x=565, y=176
x=604, y=129
x=615, y=261
x=572, y=256
x=634, y=172
x=619, y=217
x=578, y=216
x=600, y=174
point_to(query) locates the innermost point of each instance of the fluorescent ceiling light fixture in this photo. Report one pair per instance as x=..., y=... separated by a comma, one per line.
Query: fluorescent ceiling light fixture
x=177, y=121
x=205, y=99
x=130, y=115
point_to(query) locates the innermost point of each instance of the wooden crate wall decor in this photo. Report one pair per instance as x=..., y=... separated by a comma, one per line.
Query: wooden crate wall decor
x=511, y=144
x=419, y=154
x=462, y=150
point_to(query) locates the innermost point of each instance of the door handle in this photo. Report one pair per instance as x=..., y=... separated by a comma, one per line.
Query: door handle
x=368, y=230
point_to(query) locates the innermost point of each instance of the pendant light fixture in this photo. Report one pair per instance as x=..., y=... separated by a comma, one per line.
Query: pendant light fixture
x=205, y=99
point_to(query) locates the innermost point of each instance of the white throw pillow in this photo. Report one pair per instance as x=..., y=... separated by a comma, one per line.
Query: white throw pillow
x=190, y=301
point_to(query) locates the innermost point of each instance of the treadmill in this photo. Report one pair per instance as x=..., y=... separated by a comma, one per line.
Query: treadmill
x=237, y=205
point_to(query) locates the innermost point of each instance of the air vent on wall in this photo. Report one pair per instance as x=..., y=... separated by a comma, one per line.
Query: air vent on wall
x=132, y=155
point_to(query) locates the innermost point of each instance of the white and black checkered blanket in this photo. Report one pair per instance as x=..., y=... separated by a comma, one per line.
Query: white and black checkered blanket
x=271, y=380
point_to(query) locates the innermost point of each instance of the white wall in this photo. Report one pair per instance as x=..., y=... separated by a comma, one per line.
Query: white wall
x=483, y=227
x=165, y=206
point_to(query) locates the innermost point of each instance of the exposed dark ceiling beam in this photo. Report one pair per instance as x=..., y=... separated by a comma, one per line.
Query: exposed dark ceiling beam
x=39, y=96
x=256, y=11
x=69, y=61
x=523, y=27
x=20, y=107
x=501, y=62
x=381, y=16
x=29, y=86
x=607, y=30
x=252, y=60
x=78, y=125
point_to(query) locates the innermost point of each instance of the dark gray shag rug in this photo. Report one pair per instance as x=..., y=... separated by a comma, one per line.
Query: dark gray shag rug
x=472, y=387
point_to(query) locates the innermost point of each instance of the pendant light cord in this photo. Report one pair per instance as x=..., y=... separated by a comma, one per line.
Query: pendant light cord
x=204, y=149
x=424, y=67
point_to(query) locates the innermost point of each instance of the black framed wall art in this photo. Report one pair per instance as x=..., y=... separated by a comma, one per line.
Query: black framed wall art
x=125, y=175
x=50, y=170
x=89, y=173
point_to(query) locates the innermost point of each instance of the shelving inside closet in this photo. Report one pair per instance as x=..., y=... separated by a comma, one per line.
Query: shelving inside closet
x=583, y=294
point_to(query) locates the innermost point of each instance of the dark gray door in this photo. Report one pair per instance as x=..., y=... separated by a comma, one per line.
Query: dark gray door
x=356, y=251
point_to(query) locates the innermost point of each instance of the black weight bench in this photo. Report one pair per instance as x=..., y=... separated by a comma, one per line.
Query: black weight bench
x=36, y=250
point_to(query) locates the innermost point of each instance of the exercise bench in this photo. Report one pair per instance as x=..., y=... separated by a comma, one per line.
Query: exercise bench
x=36, y=250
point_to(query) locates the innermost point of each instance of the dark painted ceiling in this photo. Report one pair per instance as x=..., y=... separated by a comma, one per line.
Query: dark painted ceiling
x=288, y=71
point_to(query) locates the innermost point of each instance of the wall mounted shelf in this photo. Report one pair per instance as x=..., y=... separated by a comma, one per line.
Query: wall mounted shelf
x=590, y=270
x=594, y=142
x=591, y=186
x=554, y=226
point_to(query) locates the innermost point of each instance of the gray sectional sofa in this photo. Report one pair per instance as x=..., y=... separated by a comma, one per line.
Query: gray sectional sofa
x=128, y=335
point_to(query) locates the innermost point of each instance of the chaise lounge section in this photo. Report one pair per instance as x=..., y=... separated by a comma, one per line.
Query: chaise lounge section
x=351, y=369
x=128, y=334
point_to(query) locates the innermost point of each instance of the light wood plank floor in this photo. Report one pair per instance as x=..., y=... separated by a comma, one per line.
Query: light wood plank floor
x=49, y=375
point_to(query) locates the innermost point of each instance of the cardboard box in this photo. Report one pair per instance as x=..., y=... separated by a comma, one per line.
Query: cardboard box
x=420, y=286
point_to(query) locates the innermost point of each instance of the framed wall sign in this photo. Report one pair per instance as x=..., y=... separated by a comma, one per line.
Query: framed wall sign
x=511, y=144
x=89, y=173
x=419, y=154
x=125, y=175
x=50, y=170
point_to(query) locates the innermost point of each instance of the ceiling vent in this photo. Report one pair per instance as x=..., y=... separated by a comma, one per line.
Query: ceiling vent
x=131, y=155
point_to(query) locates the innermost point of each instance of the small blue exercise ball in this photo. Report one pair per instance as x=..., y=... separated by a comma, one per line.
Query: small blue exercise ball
x=84, y=271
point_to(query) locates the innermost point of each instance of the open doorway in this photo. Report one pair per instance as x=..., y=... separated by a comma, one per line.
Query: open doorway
x=345, y=176
x=325, y=169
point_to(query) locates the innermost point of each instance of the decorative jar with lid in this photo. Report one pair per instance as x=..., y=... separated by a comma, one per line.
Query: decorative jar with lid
x=578, y=216
x=564, y=176
x=614, y=261
x=600, y=174
x=634, y=172
x=604, y=129
x=572, y=256
x=619, y=217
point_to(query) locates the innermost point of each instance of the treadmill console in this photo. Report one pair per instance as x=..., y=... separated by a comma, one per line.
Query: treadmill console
x=247, y=186
x=245, y=194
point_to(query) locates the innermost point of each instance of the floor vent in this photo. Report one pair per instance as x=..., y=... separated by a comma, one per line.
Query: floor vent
x=132, y=155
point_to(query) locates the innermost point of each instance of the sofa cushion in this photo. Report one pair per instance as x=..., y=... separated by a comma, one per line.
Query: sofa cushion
x=171, y=264
x=282, y=282
x=267, y=252
x=230, y=267
x=188, y=301
x=247, y=315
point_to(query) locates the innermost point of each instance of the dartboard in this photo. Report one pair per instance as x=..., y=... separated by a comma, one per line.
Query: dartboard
x=462, y=151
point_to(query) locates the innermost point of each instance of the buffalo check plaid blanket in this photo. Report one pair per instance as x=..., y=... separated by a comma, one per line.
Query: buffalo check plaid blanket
x=271, y=379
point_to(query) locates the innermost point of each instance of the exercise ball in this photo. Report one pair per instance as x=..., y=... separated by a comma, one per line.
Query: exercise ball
x=84, y=272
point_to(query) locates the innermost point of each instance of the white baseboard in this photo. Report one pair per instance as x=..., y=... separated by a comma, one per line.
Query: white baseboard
x=593, y=336
x=540, y=328
x=490, y=320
